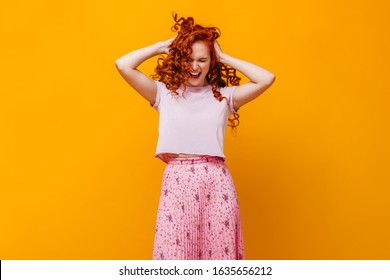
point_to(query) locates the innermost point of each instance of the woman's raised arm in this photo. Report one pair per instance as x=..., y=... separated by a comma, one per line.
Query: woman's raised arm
x=259, y=78
x=127, y=67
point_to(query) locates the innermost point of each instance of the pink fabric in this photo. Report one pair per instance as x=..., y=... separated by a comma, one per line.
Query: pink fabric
x=194, y=123
x=198, y=214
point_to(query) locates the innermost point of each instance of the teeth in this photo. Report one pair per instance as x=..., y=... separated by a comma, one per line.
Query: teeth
x=195, y=75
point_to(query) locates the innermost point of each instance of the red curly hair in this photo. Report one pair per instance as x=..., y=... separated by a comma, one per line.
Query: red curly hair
x=173, y=70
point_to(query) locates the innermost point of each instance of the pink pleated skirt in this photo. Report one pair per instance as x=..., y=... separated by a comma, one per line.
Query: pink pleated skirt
x=198, y=214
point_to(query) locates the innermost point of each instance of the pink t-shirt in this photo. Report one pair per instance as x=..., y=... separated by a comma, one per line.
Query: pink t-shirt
x=193, y=124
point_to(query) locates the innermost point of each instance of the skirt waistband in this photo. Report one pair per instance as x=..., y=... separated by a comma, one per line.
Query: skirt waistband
x=194, y=160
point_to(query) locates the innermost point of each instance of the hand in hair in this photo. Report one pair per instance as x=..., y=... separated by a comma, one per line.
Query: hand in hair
x=218, y=50
x=166, y=45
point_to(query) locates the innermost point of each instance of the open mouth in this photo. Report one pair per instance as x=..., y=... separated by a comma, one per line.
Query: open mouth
x=194, y=75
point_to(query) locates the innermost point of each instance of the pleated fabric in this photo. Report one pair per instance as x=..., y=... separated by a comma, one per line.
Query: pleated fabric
x=198, y=214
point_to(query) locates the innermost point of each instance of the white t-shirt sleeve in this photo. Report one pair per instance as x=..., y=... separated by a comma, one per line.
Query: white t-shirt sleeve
x=228, y=93
x=160, y=88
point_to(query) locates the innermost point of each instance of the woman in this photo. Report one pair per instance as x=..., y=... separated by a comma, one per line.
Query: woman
x=195, y=91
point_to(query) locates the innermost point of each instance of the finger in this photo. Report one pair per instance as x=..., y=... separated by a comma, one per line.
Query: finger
x=216, y=45
x=172, y=39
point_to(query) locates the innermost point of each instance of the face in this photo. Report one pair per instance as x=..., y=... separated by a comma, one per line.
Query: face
x=200, y=64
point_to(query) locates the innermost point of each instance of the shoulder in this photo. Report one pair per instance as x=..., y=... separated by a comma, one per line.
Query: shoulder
x=227, y=91
x=161, y=86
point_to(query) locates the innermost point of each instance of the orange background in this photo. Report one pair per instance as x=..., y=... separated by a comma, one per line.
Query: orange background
x=310, y=162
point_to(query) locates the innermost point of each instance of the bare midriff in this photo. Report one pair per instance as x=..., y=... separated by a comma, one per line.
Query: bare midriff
x=182, y=155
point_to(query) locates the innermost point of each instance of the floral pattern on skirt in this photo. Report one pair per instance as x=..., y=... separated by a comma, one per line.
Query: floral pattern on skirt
x=198, y=214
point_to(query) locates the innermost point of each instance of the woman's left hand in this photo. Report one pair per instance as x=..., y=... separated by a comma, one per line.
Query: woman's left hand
x=218, y=50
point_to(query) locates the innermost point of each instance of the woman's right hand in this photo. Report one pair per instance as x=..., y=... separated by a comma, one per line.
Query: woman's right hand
x=166, y=45
x=127, y=66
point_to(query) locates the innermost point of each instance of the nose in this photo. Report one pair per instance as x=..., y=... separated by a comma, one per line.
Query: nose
x=194, y=65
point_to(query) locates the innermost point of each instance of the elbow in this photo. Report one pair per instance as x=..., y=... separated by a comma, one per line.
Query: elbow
x=265, y=83
x=270, y=79
x=119, y=64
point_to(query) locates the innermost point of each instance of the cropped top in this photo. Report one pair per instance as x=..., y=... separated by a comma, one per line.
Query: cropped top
x=193, y=123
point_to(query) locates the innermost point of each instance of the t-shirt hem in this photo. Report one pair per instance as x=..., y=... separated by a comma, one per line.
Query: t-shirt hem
x=163, y=155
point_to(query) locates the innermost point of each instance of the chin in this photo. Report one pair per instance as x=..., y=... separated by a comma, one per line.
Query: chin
x=196, y=83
